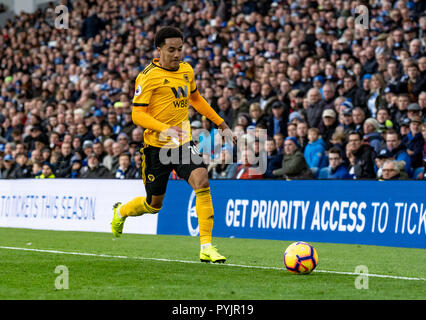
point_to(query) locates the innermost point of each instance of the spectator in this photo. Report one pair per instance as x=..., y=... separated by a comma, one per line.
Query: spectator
x=8, y=171
x=123, y=139
x=125, y=169
x=273, y=159
x=239, y=106
x=402, y=105
x=98, y=149
x=94, y=170
x=36, y=134
x=354, y=93
x=113, y=122
x=337, y=168
x=76, y=165
x=254, y=95
x=117, y=149
x=267, y=97
x=97, y=132
x=22, y=169
x=361, y=157
x=87, y=150
x=294, y=165
x=372, y=136
x=413, y=110
x=315, y=108
x=347, y=122
x=46, y=154
x=391, y=170
x=63, y=166
x=292, y=130
x=84, y=134
x=225, y=110
x=414, y=142
x=223, y=168
x=358, y=117
x=279, y=142
x=328, y=126
x=256, y=114
x=398, y=150
x=137, y=163
x=329, y=93
x=384, y=119
x=107, y=132
x=107, y=161
x=46, y=171
x=277, y=121
x=36, y=169
x=404, y=128
x=376, y=98
x=314, y=154
x=414, y=84
x=247, y=168
x=302, y=134
x=137, y=136
x=380, y=160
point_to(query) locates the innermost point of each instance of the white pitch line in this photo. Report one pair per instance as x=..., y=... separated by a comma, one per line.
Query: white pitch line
x=198, y=262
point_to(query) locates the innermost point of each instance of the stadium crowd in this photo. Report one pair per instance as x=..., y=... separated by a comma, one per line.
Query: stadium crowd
x=338, y=99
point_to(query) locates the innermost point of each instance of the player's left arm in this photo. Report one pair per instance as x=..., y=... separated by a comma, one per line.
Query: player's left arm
x=202, y=106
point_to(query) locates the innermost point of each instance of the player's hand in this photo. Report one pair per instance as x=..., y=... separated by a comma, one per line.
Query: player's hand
x=227, y=133
x=176, y=133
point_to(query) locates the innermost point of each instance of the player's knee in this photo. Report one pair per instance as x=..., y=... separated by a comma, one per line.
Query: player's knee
x=201, y=183
x=199, y=179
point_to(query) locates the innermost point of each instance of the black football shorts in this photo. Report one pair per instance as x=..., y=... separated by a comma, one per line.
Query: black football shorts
x=158, y=163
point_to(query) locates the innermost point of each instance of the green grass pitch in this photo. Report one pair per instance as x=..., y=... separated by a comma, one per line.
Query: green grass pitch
x=154, y=267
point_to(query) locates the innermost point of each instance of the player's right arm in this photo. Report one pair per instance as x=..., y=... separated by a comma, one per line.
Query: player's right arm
x=141, y=118
x=141, y=100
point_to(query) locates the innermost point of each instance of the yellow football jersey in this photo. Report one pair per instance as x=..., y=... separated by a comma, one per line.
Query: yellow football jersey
x=165, y=93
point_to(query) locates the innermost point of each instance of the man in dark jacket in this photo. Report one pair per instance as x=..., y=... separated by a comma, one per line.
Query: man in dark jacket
x=315, y=108
x=354, y=93
x=294, y=165
x=337, y=168
x=414, y=84
x=8, y=171
x=94, y=170
x=274, y=159
x=361, y=157
x=63, y=165
x=36, y=134
x=22, y=170
x=277, y=121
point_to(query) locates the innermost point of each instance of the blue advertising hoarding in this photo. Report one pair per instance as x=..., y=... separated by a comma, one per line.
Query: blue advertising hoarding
x=385, y=213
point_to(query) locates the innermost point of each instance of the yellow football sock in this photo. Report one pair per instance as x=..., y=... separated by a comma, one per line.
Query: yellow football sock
x=204, y=208
x=136, y=207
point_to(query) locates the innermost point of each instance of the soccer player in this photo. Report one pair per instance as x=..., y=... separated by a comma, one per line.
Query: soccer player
x=163, y=92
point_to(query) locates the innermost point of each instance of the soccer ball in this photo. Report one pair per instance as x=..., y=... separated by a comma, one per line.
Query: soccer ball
x=300, y=258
